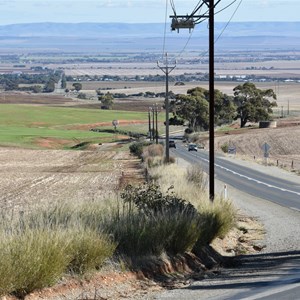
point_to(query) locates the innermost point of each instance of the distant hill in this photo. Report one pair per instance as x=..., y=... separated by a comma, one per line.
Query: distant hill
x=144, y=30
x=95, y=37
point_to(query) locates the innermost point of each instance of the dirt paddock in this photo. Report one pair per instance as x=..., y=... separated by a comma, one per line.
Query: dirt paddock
x=30, y=177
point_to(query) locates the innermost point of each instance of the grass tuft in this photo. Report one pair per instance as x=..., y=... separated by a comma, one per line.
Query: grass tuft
x=31, y=260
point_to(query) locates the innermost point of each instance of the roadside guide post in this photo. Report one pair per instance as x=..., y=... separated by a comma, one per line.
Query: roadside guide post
x=266, y=148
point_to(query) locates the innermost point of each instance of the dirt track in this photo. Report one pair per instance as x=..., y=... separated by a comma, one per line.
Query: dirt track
x=28, y=177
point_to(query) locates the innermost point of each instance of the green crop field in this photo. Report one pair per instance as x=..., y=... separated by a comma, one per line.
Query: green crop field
x=25, y=125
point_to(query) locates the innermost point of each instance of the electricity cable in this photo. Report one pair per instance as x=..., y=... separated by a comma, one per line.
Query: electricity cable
x=200, y=20
x=225, y=27
x=197, y=8
x=225, y=6
x=173, y=8
x=186, y=44
x=165, y=30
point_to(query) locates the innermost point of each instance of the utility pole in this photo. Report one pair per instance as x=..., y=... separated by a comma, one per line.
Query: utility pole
x=288, y=109
x=149, y=123
x=211, y=6
x=189, y=21
x=156, y=124
x=153, y=129
x=167, y=70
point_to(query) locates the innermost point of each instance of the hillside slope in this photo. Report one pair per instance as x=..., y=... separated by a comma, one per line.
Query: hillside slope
x=285, y=146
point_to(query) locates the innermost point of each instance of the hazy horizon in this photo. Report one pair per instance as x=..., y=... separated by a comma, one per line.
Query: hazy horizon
x=136, y=11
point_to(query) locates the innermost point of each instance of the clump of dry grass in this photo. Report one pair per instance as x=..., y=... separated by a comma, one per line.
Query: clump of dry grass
x=153, y=156
x=217, y=218
x=37, y=248
x=32, y=259
x=196, y=176
x=172, y=175
x=153, y=150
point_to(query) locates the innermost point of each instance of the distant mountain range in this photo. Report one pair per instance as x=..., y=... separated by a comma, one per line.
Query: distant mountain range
x=91, y=37
x=145, y=30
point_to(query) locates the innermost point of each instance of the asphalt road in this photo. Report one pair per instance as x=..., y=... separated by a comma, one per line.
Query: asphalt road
x=250, y=181
x=256, y=280
x=267, y=275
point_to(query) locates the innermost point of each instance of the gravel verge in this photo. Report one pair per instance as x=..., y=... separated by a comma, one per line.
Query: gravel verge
x=280, y=248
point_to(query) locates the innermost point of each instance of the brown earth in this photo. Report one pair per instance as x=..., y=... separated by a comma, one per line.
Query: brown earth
x=283, y=141
x=38, y=99
x=26, y=175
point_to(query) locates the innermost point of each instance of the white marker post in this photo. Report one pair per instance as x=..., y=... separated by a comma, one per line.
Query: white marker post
x=225, y=192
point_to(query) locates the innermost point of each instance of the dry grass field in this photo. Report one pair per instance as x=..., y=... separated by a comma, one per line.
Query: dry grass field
x=34, y=177
x=272, y=68
x=284, y=143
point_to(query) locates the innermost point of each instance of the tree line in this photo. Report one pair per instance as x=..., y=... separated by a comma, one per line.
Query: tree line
x=38, y=82
x=248, y=104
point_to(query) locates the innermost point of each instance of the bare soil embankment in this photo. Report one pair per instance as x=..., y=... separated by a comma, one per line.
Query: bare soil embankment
x=284, y=144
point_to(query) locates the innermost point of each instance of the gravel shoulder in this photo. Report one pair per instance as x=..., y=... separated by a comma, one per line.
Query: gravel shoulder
x=279, y=260
x=282, y=224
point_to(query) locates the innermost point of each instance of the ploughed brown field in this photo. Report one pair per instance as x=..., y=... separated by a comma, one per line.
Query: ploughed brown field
x=31, y=177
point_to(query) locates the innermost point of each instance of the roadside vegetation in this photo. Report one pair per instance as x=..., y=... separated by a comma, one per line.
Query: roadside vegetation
x=169, y=215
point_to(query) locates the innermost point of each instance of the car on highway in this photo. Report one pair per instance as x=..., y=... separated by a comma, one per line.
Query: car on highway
x=172, y=144
x=192, y=147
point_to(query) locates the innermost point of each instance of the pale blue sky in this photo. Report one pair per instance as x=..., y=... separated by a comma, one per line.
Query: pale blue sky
x=141, y=11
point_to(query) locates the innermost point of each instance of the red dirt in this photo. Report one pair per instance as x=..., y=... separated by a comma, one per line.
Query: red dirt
x=102, y=124
x=51, y=143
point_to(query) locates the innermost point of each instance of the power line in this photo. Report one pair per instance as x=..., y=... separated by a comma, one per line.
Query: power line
x=225, y=6
x=227, y=24
x=165, y=31
x=173, y=7
x=225, y=27
x=186, y=44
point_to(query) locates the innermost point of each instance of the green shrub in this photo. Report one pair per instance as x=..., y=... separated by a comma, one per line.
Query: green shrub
x=224, y=148
x=188, y=131
x=136, y=148
x=149, y=200
x=150, y=222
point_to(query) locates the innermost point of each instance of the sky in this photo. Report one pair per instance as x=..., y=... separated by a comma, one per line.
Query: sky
x=139, y=11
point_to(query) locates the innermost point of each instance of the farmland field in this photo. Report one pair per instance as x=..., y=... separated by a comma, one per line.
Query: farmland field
x=33, y=126
x=36, y=177
x=272, y=68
